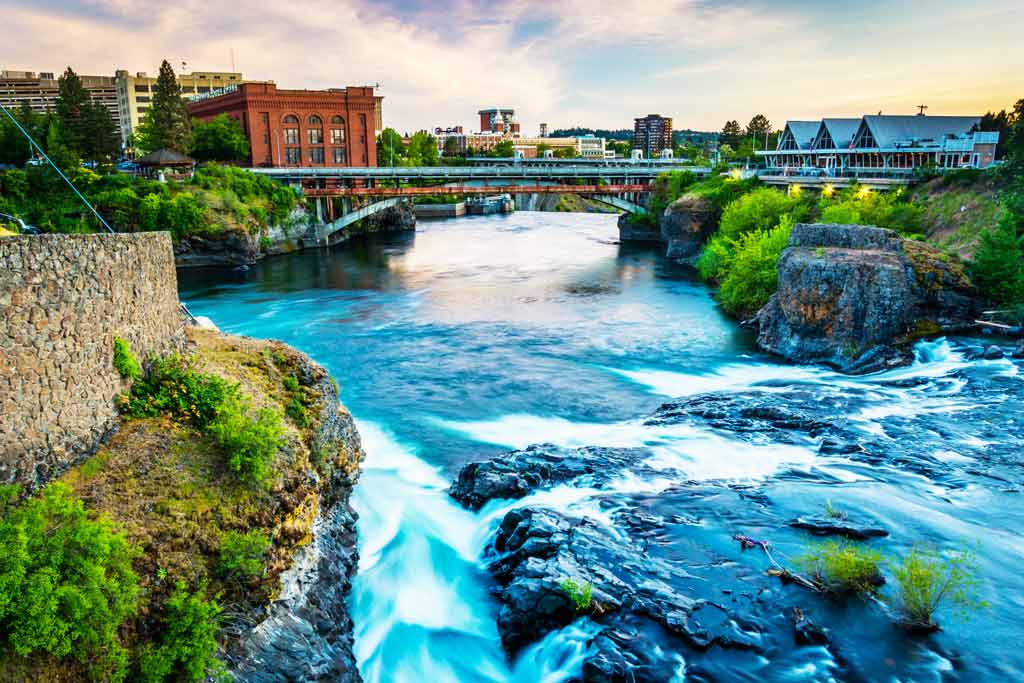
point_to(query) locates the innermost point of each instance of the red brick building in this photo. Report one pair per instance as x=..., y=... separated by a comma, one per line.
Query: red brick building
x=299, y=127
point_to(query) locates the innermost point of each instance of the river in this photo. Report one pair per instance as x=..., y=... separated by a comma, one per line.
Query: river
x=477, y=335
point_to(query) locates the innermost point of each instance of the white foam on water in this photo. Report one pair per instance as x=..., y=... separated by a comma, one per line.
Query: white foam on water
x=419, y=602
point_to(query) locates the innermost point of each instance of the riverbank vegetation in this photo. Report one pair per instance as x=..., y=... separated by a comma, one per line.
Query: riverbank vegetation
x=133, y=565
x=216, y=200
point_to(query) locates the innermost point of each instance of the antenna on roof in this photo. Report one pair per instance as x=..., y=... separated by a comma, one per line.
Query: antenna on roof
x=921, y=108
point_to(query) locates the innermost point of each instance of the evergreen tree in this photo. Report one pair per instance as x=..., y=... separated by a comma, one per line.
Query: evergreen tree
x=731, y=134
x=72, y=109
x=998, y=266
x=102, y=142
x=167, y=124
x=14, y=148
x=759, y=126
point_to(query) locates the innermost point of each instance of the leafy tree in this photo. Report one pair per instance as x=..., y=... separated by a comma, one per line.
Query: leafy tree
x=167, y=124
x=219, y=139
x=422, y=149
x=390, y=148
x=1014, y=149
x=565, y=153
x=731, y=134
x=451, y=146
x=1002, y=123
x=503, y=150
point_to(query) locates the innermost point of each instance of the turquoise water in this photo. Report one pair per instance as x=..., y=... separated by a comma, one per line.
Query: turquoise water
x=476, y=335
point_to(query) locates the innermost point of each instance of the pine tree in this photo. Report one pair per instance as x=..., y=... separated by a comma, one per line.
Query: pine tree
x=998, y=266
x=731, y=133
x=72, y=110
x=102, y=142
x=167, y=124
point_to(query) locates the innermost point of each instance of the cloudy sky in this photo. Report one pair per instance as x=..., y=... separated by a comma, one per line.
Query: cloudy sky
x=566, y=62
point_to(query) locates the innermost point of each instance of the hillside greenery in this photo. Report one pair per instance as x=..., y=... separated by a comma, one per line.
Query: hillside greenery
x=216, y=200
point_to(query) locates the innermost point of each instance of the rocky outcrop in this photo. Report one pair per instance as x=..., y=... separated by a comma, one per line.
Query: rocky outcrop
x=852, y=297
x=241, y=248
x=306, y=634
x=685, y=226
x=520, y=472
x=633, y=229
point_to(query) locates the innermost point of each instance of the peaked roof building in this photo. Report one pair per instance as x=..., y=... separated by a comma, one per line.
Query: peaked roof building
x=881, y=145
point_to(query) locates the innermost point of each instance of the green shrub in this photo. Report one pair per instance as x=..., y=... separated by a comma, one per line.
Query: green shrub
x=580, y=594
x=842, y=214
x=860, y=206
x=66, y=581
x=250, y=444
x=927, y=579
x=175, y=387
x=241, y=555
x=125, y=361
x=760, y=210
x=752, y=273
x=998, y=265
x=296, y=410
x=843, y=566
x=187, y=646
x=290, y=383
x=715, y=257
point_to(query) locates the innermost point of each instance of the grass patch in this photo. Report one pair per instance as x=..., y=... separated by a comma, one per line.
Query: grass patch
x=927, y=580
x=843, y=566
x=125, y=361
x=581, y=594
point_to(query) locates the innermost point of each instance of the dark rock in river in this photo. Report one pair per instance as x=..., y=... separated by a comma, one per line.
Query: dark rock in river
x=1019, y=352
x=832, y=526
x=633, y=230
x=519, y=473
x=992, y=352
x=685, y=226
x=853, y=297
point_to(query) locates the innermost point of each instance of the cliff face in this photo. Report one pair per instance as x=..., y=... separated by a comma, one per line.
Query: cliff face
x=852, y=297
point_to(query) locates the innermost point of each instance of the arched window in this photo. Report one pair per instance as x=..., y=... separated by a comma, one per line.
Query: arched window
x=337, y=130
x=315, y=132
x=291, y=129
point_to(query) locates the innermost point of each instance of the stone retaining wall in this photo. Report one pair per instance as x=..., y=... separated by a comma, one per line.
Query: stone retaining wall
x=63, y=299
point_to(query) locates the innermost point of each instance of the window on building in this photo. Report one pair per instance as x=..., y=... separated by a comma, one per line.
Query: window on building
x=204, y=88
x=316, y=155
x=292, y=155
x=142, y=98
x=188, y=88
x=338, y=156
x=337, y=136
x=315, y=132
x=291, y=136
x=141, y=88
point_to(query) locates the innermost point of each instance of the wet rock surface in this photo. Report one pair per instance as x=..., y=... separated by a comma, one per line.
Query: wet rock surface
x=521, y=472
x=853, y=297
x=663, y=567
x=632, y=230
x=685, y=226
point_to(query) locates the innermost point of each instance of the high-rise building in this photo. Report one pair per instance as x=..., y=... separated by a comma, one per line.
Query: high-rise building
x=543, y=130
x=40, y=91
x=652, y=133
x=299, y=127
x=135, y=93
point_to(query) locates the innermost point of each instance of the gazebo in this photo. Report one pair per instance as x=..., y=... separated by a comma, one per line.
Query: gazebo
x=166, y=162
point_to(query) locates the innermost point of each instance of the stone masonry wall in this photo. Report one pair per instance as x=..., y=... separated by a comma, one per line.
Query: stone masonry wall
x=63, y=299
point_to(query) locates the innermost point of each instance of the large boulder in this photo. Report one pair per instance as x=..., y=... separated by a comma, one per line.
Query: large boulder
x=853, y=297
x=686, y=225
x=634, y=229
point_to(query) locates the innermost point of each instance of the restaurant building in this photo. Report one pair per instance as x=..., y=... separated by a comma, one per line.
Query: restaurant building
x=286, y=128
x=881, y=144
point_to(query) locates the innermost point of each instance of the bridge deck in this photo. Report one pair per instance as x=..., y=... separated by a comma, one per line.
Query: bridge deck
x=478, y=172
x=471, y=189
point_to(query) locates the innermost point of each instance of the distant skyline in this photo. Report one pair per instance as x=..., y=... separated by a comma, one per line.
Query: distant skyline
x=567, y=63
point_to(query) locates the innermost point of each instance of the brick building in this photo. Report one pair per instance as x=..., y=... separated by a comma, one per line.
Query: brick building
x=299, y=127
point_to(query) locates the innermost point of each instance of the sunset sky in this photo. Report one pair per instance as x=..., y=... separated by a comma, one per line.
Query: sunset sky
x=571, y=62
